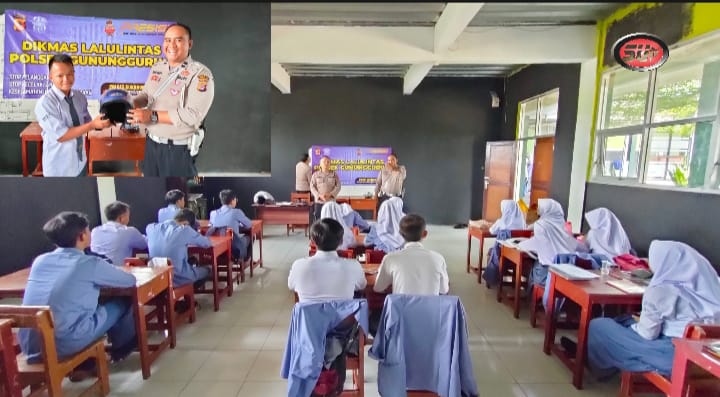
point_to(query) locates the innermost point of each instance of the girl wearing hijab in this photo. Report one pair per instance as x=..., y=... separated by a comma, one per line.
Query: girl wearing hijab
x=606, y=236
x=512, y=217
x=684, y=289
x=385, y=234
x=549, y=239
x=352, y=218
x=333, y=210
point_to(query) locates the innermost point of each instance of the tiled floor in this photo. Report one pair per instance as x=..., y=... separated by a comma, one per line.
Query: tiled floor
x=238, y=350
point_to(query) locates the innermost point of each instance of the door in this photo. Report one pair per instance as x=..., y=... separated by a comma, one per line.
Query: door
x=499, y=177
x=542, y=169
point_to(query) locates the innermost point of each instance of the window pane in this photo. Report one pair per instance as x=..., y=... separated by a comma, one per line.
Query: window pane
x=527, y=153
x=621, y=156
x=548, y=113
x=528, y=118
x=678, y=155
x=626, y=95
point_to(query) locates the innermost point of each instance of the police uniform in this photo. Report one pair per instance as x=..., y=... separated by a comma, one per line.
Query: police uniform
x=187, y=99
x=323, y=183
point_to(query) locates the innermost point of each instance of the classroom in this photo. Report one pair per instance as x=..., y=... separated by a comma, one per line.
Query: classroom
x=449, y=199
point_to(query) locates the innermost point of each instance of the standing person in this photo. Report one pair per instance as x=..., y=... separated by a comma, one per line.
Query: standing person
x=173, y=105
x=64, y=118
x=324, y=185
x=390, y=180
x=303, y=173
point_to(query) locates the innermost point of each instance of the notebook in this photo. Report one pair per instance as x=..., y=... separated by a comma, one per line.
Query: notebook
x=571, y=272
x=627, y=286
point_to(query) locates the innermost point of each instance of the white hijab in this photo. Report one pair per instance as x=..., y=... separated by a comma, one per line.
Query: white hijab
x=346, y=209
x=549, y=235
x=512, y=217
x=388, y=223
x=680, y=266
x=333, y=210
x=606, y=235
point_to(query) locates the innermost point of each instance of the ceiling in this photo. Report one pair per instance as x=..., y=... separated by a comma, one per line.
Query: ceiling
x=426, y=15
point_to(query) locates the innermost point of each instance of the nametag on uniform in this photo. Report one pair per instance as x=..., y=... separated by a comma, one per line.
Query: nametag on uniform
x=203, y=80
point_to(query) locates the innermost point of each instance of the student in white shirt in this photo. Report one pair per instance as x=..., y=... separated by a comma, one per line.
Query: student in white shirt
x=415, y=269
x=326, y=276
x=115, y=239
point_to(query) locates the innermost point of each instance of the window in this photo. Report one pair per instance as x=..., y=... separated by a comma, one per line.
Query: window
x=538, y=118
x=661, y=127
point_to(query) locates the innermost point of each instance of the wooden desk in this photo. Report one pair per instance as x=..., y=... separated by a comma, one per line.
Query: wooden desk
x=221, y=245
x=31, y=133
x=690, y=351
x=115, y=144
x=152, y=282
x=256, y=234
x=586, y=294
x=375, y=299
x=480, y=234
x=360, y=203
x=522, y=265
x=295, y=214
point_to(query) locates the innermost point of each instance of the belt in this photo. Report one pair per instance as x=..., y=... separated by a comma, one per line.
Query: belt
x=165, y=141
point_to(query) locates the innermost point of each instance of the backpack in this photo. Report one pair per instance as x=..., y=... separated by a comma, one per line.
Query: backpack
x=332, y=376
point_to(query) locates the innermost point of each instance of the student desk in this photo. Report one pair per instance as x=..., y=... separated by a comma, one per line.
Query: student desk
x=522, y=265
x=152, y=282
x=255, y=232
x=291, y=214
x=220, y=246
x=115, y=144
x=586, y=294
x=360, y=203
x=375, y=299
x=480, y=234
x=31, y=133
x=691, y=351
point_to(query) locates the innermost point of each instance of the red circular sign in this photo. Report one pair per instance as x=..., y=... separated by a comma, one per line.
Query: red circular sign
x=640, y=52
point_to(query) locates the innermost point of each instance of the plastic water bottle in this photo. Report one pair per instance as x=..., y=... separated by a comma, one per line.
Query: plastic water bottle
x=605, y=269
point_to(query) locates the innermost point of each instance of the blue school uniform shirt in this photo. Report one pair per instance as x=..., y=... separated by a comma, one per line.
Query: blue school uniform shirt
x=305, y=348
x=233, y=218
x=422, y=344
x=116, y=241
x=69, y=282
x=167, y=213
x=53, y=114
x=170, y=240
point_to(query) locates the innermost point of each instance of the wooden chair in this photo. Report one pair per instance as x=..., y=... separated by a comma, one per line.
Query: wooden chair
x=299, y=198
x=48, y=375
x=521, y=233
x=238, y=265
x=356, y=364
x=653, y=382
x=374, y=256
x=9, y=374
x=184, y=292
x=538, y=291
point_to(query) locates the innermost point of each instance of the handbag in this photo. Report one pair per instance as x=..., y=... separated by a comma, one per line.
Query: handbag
x=630, y=262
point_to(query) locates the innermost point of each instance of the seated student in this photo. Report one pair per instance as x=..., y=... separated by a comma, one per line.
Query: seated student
x=170, y=239
x=263, y=197
x=385, y=234
x=606, y=236
x=511, y=218
x=115, y=239
x=352, y=218
x=325, y=276
x=69, y=282
x=333, y=210
x=684, y=289
x=229, y=216
x=414, y=269
x=175, y=200
x=549, y=239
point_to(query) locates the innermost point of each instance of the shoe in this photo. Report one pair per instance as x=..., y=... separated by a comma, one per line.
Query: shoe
x=569, y=346
x=123, y=352
x=79, y=375
x=181, y=306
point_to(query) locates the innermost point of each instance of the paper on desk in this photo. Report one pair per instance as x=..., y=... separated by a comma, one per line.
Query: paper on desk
x=626, y=286
x=571, y=272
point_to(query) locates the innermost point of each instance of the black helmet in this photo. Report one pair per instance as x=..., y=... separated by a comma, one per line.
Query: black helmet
x=115, y=105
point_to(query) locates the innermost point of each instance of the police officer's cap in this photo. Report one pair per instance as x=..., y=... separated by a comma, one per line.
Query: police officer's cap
x=115, y=104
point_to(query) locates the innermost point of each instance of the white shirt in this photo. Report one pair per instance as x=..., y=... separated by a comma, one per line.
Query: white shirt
x=413, y=270
x=53, y=115
x=325, y=276
x=262, y=193
x=116, y=241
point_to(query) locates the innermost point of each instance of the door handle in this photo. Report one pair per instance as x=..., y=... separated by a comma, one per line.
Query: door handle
x=487, y=182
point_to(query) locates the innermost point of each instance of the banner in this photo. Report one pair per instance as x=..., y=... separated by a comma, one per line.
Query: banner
x=355, y=165
x=107, y=53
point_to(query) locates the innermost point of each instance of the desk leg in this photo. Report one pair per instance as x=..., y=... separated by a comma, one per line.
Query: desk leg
x=216, y=284
x=469, y=246
x=579, y=369
x=170, y=304
x=518, y=284
x=141, y=329
x=501, y=267
x=550, y=320
x=480, y=259
x=679, y=373
x=23, y=149
x=260, y=237
x=229, y=285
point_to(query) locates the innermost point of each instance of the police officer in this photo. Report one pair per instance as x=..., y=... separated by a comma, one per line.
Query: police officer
x=173, y=105
x=324, y=185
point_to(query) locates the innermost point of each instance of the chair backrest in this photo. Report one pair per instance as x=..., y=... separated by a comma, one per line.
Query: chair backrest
x=142, y=262
x=702, y=331
x=300, y=197
x=521, y=233
x=38, y=318
x=374, y=256
x=350, y=254
x=9, y=378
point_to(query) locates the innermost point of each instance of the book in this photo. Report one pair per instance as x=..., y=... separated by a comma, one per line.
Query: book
x=571, y=272
x=626, y=286
x=713, y=348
